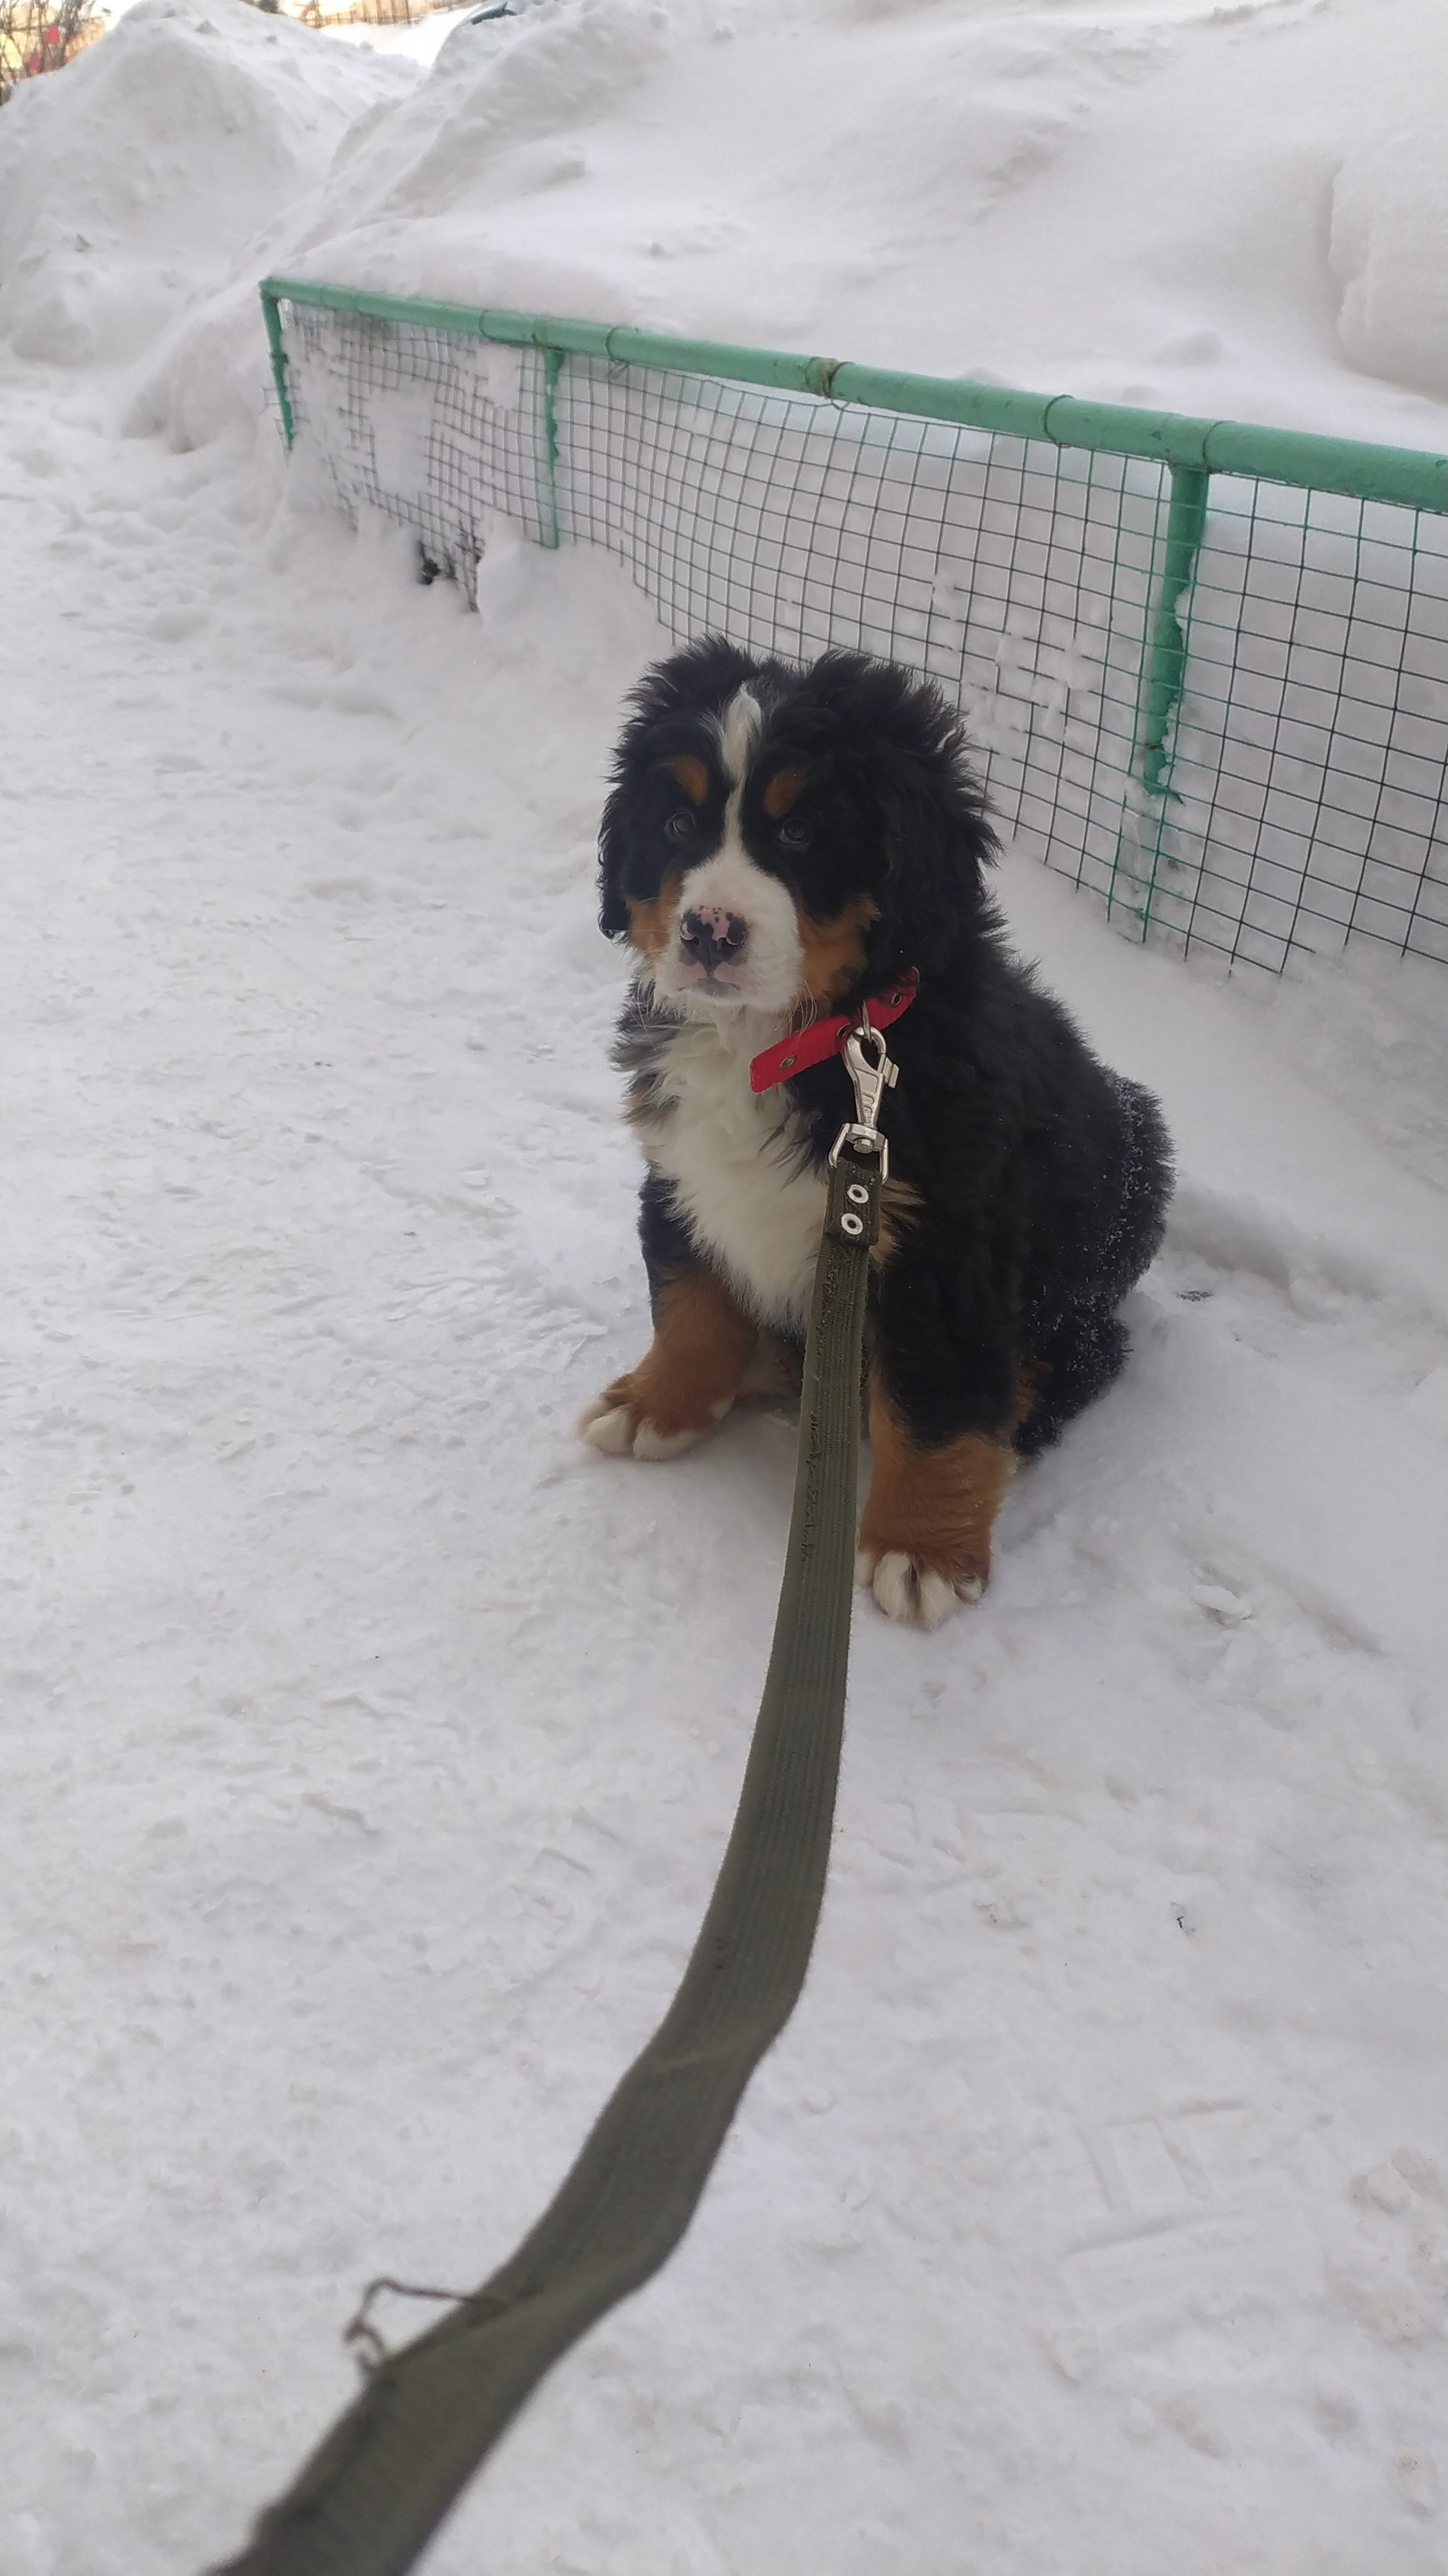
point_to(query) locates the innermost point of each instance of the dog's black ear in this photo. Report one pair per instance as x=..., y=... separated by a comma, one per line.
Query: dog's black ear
x=612, y=846
x=937, y=845
x=912, y=764
x=703, y=676
x=898, y=744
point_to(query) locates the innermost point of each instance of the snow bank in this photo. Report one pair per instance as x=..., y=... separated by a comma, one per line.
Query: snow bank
x=1221, y=210
x=1390, y=224
x=147, y=169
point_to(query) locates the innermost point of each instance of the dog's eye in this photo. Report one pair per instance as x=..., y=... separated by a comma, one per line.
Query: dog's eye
x=795, y=833
x=680, y=826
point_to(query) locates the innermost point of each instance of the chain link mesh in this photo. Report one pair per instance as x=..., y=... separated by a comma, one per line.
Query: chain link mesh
x=1312, y=742
x=1306, y=765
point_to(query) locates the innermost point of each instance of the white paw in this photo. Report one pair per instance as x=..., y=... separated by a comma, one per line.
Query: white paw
x=913, y=1594
x=621, y=1433
x=605, y=1426
x=651, y=1442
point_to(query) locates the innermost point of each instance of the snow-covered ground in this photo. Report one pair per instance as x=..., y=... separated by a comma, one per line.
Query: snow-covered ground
x=369, y=1746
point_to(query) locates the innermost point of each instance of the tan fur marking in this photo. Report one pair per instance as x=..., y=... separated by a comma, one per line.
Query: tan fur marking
x=900, y=1202
x=936, y=1505
x=1028, y=1388
x=651, y=923
x=834, y=951
x=785, y=789
x=692, y=775
x=701, y=1347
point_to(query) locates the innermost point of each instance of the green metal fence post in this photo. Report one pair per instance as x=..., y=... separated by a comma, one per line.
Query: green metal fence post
x=548, y=480
x=271, y=307
x=1167, y=643
x=1163, y=669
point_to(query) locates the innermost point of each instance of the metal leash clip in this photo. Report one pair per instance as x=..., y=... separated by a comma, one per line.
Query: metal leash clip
x=872, y=1077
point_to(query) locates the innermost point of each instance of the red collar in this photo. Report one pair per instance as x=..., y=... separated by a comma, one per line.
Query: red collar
x=822, y=1037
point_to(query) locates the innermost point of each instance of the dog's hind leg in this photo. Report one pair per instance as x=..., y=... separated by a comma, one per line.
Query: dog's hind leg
x=685, y=1384
x=1074, y=1362
x=1077, y=1352
x=926, y=1529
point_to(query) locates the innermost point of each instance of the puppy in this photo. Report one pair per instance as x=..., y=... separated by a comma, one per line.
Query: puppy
x=780, y=845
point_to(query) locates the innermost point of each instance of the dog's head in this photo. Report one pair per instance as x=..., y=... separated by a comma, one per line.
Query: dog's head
x=778, y=839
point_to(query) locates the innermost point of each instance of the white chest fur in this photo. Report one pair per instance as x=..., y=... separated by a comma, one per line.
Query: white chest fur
x=732, y=1157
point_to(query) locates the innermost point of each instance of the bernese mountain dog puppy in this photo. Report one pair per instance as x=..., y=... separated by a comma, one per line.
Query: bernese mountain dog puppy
x=781, y=845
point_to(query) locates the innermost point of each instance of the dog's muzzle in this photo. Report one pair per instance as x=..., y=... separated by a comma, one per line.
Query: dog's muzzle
x=711, y=938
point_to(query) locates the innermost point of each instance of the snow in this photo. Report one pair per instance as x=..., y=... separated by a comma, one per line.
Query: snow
x=1231, y=211
x=420, y=42
x=124, y=190
x=370, y=1743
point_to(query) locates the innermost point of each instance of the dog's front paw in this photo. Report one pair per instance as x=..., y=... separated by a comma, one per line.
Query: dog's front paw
x=618, y=1425
x=914, y=1593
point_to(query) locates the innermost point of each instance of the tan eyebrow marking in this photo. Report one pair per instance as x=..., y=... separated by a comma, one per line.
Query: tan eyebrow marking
x=692, y=776
x=785, y=789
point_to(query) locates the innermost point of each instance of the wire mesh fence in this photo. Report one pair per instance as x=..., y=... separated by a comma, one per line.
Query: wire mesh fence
x=1216, y=700
x=1015, y=573
x=1311, y=750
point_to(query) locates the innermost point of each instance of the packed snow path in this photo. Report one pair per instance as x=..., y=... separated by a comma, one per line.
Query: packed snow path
x=370, y=1746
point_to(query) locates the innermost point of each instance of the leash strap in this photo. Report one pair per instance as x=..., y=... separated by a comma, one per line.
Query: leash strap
x=370, y=2498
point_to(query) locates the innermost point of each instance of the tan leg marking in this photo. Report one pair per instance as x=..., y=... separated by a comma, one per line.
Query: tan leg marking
x=900, y=1204
x=685, y=1383
x=1029, y=1380
x=834, y=951
x=773, y=1369
x=926, y=1529
x=651, y=923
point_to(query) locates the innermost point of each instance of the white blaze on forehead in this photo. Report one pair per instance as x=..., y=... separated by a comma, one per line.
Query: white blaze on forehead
x=739, y=731
x=768, y=972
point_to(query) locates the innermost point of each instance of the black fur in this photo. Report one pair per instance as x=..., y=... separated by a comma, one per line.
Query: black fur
x=1037, y=1179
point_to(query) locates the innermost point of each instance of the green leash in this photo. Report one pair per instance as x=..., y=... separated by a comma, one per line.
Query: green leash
x=370, y=2498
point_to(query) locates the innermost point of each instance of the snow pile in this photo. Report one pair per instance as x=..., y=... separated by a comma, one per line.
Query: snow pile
x=1223, y=210
x=150, y=169
x=1390, y=225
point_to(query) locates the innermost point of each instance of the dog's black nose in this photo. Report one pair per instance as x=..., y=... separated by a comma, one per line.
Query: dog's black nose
x=712, y=935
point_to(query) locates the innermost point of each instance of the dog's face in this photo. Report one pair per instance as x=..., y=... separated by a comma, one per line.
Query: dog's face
x=774, y=838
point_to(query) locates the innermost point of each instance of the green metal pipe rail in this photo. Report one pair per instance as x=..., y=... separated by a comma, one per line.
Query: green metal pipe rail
x=1409, y=476
x=1191, y=449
